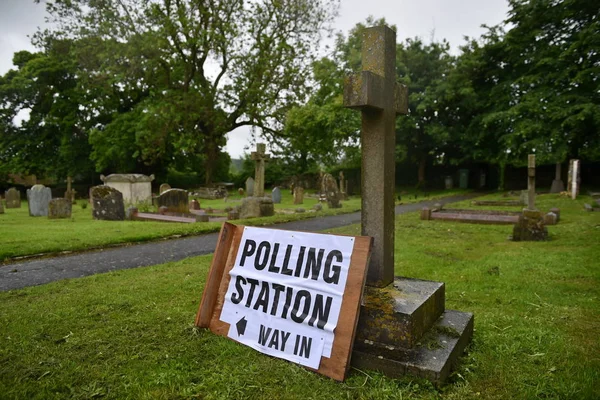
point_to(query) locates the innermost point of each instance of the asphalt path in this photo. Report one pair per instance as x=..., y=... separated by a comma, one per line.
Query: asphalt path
x=45, y=270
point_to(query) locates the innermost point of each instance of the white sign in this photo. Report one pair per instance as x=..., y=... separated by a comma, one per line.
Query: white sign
x=285, y=293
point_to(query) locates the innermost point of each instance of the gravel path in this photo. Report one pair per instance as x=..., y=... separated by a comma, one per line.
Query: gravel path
x=38, y=272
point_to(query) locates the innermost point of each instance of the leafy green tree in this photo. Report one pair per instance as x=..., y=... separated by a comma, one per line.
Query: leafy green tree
x=189, y=72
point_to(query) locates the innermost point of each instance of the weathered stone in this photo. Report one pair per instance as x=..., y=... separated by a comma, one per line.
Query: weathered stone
x=38, y=198
x=276, y=195
x=299, y=195
x=250, y=186
x=426, y=213
x=176, y=200
x=588, y=207
x=108, y=203
x=131, y=213
x=253, y=207
x=300, y=210
x=13, y=198
x=163, y=188
x=550, y=219
x=135, y=188
x=438, y=207
x=530, y=227
x=260, y=157
x=557, y=184
x=241, y=191
x=194, y=205
x=59, y=208
x=531, y=182
x=233, y=215
x=318, y=207
x=330, y=188
x=557, y=212
x=163, y=210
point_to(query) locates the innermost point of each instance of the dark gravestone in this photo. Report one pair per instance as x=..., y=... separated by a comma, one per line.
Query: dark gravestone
x=13, y=198
x=299, y=195
x=176, y=200
x=276, y=195
x=59, y=208
x=38, y=198
x=194, y=205
x=330, y=188
x=108, y=203
x=530, y=227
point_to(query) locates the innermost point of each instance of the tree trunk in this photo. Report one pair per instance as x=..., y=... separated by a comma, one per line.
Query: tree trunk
x=421, y=171
x=211, y=153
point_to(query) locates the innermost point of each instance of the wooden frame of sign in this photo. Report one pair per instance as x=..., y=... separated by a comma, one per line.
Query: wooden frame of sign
x=218, y=279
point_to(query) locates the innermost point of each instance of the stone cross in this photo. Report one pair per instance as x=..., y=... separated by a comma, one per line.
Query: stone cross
x=69, y=180
x=260, y=157
x=379, y=98
x=531, y=182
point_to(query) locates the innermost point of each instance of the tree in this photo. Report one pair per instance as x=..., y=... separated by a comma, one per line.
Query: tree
x=189, y=72
x=50, y=140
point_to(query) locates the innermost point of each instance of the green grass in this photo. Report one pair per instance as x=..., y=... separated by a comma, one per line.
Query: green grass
x=130, y=334
x=27, y=235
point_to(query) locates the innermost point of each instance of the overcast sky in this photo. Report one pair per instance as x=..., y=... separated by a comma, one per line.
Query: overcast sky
x=437, y=19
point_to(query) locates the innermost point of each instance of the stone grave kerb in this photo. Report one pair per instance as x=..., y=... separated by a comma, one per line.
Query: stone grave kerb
x=379, y=98
x=260, y=157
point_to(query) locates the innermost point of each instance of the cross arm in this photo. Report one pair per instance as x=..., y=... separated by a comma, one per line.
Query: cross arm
x=366, y=90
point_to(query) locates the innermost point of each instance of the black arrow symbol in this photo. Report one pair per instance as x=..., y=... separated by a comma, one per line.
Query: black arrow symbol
x=241, y=326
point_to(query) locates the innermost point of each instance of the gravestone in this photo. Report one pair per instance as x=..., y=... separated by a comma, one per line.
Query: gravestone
x=276, y=195
x=38, y=198
x=299, y=195
x=59, y=208
x=260, y=158
x=574, y=178
x=194, y=205
x=250, y=186
x=253, y=207
x=70, y=192
x=108, y=204
x=557, y=184
x=330, y=188
x=393, y=317
x=530, y=226
x=343, y=186
x=163, y=188
x=13, y=198
x=176, y=200
x=318, y=207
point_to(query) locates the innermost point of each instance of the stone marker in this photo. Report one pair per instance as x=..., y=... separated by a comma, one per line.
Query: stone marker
x=241, y=191
x=425, y=214
x=330, y=188
x=131, y=212
x=299, y=195
x=557, y=212
x=557, y=184
x=108, y=203
x=394, y=319
x=530, y=226
x=13, y=198
x=574, y=178
x=253, y=207
x=588, y=207
x=163, y=188
x=250, y=186
x=59, y=208
x=260, y=157
x=343, y=186
x=531, y=182
x=135, y=188
x=38, y=198
x=300, y=210
x=550, y=219
x=194, y=205
x=276, y=195
x=70, y=192
x=176, y=200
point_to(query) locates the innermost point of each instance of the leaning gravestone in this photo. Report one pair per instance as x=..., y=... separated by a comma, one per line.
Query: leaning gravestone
x=163, y=188
x=330, y=188
x=176, y=200
x=250, y=186
x=59, y=208
x=13, y=198
x=107, y=203
x=299, y=195
x=38, y=198
x=276, y=195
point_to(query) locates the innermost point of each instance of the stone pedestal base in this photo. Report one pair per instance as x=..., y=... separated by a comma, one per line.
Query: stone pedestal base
x=253, y=207
x=557, y=186
x=530, y=227
x=404, y=329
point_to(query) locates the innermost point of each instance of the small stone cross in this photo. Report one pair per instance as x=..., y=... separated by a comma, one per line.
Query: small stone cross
x=375, y=92
x=260, y=157
x=531, y=182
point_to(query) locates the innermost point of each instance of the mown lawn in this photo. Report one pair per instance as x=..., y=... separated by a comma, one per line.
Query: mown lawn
x=130, y=334
x=25, y=235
